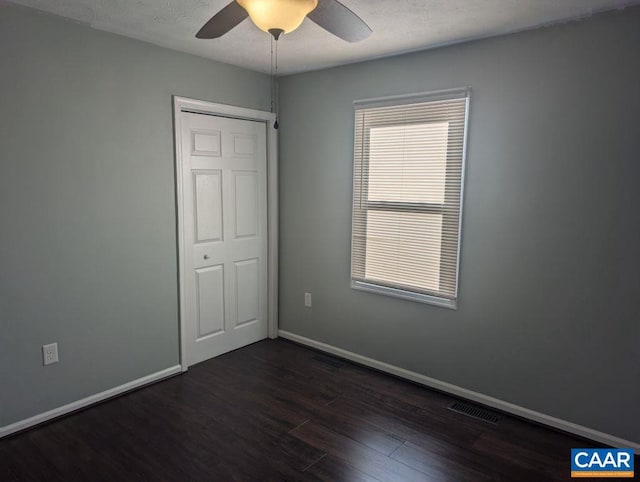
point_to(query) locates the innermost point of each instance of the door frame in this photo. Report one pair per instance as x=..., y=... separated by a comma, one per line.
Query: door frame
x=184, y=104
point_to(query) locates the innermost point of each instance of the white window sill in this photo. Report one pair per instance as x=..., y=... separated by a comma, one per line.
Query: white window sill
x=403, y=294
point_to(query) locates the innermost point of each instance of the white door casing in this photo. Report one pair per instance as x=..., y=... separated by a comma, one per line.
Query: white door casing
x=226, y=238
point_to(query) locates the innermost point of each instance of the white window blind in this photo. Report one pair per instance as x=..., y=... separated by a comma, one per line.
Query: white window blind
x=407, y=195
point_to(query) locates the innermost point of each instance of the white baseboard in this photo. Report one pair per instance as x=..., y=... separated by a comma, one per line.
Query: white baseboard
x=90, y=400
x=467, y=394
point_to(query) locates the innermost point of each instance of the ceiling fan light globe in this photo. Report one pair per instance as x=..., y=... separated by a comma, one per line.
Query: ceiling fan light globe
x=286, y=15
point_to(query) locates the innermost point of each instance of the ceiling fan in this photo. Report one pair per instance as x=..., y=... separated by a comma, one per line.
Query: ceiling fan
x=283, y=16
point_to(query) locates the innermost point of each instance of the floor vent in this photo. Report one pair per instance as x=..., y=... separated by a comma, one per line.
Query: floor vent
x=474, y=411
x=330, y=361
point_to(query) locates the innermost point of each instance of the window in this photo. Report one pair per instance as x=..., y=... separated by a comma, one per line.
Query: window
x=407, y=195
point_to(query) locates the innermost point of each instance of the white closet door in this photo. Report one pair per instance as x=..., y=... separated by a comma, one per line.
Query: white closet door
x=225, y=203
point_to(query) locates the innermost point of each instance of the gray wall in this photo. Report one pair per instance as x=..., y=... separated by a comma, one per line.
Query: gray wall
x=548, y=314
x=87, y=204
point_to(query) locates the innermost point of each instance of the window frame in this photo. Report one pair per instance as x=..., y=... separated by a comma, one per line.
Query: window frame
x=397, y=291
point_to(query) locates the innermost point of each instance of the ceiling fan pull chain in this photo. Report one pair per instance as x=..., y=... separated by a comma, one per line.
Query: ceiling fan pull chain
x=275, y=79
x=271, y=83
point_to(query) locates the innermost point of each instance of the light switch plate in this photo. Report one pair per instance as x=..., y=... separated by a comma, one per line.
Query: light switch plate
x=307, y=300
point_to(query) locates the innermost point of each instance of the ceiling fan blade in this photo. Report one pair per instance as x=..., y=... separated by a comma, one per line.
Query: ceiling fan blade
x=334, y=17
x=223, y=21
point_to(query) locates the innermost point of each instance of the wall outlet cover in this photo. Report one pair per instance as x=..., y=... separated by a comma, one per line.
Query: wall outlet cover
x=50, y=353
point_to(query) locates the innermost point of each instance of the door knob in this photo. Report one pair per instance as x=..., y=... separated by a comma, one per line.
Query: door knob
x=206, y=256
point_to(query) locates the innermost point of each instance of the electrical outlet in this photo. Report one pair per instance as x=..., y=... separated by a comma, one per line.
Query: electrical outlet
x=50, y=353
x=307, y=300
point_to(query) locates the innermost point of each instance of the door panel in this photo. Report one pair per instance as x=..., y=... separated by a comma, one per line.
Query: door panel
x=247, y=290
x=246, y=204
x=243, y=145
x=210, y=300
x=225, y=204
x=208, y=205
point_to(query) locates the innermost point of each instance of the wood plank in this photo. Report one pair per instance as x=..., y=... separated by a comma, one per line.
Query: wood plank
x=346, y=422
x=332, y=469
x=437, y=466
x=409, y=426
x=363, y=458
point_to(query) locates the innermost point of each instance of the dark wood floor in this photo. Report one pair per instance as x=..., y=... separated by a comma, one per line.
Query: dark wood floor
x=278, y=411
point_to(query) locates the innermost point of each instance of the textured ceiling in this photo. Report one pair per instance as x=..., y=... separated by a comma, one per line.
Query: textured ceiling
x=398, y=26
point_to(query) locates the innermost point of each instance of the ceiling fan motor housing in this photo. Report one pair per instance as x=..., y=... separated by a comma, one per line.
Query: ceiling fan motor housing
x=283, y=15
